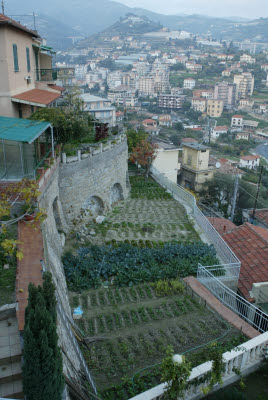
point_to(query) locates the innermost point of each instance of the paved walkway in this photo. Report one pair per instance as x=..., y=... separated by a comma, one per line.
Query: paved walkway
x=29, y=269
x=216, y=305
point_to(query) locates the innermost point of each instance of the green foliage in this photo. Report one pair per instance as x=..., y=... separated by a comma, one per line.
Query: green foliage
x=147, y=189
x=128, y=265
x=175, y=375
x=134, y=138
x=42, y=367
x=68, y=124
x=215, y=355
x=168, y=287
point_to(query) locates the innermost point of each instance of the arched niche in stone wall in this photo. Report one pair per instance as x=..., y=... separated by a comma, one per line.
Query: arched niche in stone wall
x=116, y=194
x=95, y=205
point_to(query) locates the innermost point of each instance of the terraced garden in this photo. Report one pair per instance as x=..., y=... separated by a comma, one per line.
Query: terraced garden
x=149, y=214
x=132, y=327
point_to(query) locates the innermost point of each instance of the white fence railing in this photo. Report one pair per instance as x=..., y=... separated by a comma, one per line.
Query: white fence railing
x=94, y=148
x=179, y=192
x=246, y=358
x=245, y=310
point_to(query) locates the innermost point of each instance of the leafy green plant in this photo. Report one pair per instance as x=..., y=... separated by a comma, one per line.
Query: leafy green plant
x=168, y=287
x=175, y=375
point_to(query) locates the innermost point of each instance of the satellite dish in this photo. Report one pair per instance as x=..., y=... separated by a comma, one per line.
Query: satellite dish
x=218, y=164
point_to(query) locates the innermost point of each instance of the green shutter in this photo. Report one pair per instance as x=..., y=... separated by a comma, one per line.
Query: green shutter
x=28, y=59
x=15, y=56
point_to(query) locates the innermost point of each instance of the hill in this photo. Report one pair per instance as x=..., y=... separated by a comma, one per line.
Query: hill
x=62, y=18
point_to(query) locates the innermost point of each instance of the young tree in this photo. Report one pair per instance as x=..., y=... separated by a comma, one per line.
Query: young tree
x=134, y=138
x=42, y=367
x=102, y=132
x=144, y=154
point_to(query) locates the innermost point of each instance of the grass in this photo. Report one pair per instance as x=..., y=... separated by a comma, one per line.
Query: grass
x=136, y=325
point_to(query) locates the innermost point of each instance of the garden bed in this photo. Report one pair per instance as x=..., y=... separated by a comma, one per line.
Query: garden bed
x=135, y=325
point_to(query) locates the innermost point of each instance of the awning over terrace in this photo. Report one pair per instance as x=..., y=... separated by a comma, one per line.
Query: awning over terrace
x=24, y=144
x=36, y=97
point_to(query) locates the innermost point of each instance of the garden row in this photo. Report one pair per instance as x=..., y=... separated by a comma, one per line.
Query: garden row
x=126, y=265
x=130, y=317
x=147, y=189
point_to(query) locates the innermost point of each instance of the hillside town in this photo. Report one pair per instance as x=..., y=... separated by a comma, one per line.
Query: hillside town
x=134, y=214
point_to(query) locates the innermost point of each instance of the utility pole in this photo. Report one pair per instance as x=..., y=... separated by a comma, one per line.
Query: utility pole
x=3, y=7
x=257, y=195
x=235, y=196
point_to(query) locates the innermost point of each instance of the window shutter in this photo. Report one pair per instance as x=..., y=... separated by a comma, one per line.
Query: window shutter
x=15, y=56
x=28, y=59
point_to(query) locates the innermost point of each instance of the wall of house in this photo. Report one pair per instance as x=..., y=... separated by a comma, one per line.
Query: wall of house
x=167, y=163
x=90, y=183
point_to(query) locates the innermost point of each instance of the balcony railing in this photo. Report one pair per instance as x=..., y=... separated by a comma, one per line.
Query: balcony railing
x=46, y=75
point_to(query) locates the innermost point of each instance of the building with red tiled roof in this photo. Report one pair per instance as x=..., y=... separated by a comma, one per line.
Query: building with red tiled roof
x=36, y=97
x=149, y=122
x=222, y=225
x=250, y=245
x=261, y=216
x=26, y=65
x=250, y=161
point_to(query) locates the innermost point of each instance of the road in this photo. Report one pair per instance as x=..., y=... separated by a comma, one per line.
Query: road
x=262, y=150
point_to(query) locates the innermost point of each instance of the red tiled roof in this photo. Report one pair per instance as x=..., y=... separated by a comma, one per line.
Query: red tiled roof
x=222, y=225
x=237, y=116
x=4, y=20
x=262, y=215
x=250, y=157
x=188, y=140
x=221, y=128
x=37, y=96
x=250, y=244
x=223, y=160
x=148, y=121
x=229, y=169
x=56, y=87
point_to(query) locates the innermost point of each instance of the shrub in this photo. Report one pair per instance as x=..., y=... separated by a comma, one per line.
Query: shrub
x=168, y=287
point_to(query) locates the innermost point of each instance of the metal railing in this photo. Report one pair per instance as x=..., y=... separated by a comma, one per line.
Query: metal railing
x=178, y=191
x=240, y=306
x=46, y=74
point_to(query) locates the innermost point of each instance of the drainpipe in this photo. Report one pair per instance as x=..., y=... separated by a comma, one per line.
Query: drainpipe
x=52, y=140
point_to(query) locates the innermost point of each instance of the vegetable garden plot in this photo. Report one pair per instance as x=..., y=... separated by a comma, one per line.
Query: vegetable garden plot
x=136, y=325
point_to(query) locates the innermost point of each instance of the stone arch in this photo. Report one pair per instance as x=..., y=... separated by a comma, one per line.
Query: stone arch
x=57, y=214
x=95, y=205
x=116, y=193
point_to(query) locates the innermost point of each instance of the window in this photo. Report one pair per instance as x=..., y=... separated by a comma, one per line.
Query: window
x=28, y=59
x=15, y=57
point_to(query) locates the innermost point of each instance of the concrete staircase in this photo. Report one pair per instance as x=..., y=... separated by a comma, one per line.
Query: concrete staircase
x=10, y=355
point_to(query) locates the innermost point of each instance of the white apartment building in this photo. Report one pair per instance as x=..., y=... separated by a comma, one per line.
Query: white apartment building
x=80, y=72
x=114, y=79
x=219, y=130
x=246, y=58
x=225, y=91
x=99, y=108
x=250, y=161
x=199, y=104
x=146, y=86
x=189, y=83
x=237, y=121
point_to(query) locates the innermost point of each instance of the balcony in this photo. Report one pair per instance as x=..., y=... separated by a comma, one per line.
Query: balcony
x=46, y=75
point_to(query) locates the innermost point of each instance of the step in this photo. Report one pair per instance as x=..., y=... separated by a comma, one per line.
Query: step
x=10, y=371
x=11, y=390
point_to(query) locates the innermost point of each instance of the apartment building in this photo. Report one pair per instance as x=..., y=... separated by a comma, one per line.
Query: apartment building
x=27, y=79
x=146, y=86
x=189, y=83
x=214, y=108
x=245, y=104
x=170, y=101
x=225, y=91
x=246, y=58
x=237, y=121
x=219, y=130
x=199, y=104
x=244, y=85
x=99, y=108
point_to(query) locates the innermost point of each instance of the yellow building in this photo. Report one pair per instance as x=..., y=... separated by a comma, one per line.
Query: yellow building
x=26, y=75
x=194, y=169
x=214, y=108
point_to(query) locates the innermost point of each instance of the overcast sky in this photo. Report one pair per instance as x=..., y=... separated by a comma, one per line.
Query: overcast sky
x=225, y=8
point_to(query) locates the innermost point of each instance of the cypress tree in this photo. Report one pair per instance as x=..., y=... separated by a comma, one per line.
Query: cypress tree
x=42, y=367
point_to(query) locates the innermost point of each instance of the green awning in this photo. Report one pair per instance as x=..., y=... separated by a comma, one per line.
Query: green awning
x=47, y=48
x=21, y=130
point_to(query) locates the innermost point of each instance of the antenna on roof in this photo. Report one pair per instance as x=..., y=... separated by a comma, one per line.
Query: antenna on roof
x=3, y=7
